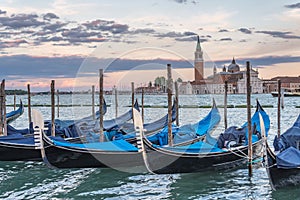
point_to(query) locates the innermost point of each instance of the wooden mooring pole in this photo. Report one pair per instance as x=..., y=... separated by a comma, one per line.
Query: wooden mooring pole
x=4, y=109
x=1, y=109
x=29, y=104
x=3, y=127
x=143, y=91
x=116, y=101
x=225, y=104
x=15, y=101
x=250, y=150
x=53, y=108
x=93, y=102
x=101, y=104
x=169, y=92
x=57, y=98
x=176, y=103
x=132, y=96
x=278, y=108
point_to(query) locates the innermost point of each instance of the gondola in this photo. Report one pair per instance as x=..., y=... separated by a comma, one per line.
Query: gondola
x=229, y=151
x=114, y=154
x=283, y=167
x=13, y=115
x=19, y=144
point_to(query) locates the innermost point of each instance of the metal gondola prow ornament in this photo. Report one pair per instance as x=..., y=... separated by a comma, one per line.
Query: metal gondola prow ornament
x=38, y=127
x=139, y=129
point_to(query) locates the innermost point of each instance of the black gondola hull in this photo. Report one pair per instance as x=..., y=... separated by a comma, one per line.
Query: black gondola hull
x=67, y=157
x=164, y=162
x=13, y=152
x=280, y=177
x=284, y=177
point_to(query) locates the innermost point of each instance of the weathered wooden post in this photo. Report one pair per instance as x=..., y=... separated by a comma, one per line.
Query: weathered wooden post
x=278, y=108
x=250, y=151
x=29, y=103
x=101, y=104
x=116, y=101
x=1, y=109
x=132, y=96
x=143, y=91
x=15, y=101
x=3, y=127
x=52, y=108
x=57, y=95
x=225, y=104
x=177, y=103
x=169, y=92
x=4, y=109
x=93, y=102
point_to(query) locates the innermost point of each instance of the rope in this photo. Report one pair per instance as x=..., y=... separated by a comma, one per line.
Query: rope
x=245, y=156
x=255, y=161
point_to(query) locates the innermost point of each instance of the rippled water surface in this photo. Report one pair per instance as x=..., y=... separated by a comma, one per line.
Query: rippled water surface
x=31, y=180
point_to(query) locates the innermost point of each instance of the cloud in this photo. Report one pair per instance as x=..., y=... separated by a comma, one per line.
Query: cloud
x=280, y=34
x=2, y=12
x=21, y=21
x=14, y=43
x=189, y=39
x=223, y=30
x=245, y=30
x=225, y=39
x=50, y=16
x=143, y=31
x=56, y=27
x=264, y=61
x=68, y=66
x=296, y=5
x=185, y=1
x=30, y=66
x=177, y=35
x=180, y=1
x=105, y=25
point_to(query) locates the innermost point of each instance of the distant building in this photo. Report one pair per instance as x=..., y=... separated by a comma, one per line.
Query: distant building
x=215, y=83
x=149, y=90
x=287, y=82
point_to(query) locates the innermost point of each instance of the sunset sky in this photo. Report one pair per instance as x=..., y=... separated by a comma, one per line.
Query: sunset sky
x=69, y=40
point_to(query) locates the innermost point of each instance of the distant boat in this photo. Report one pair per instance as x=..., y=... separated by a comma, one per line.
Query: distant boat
x=288, y=92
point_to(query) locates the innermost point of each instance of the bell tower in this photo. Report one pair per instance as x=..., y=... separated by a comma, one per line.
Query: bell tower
x=198, y=64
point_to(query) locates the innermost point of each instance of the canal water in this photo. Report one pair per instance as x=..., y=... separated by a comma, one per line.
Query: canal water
x=33, y=180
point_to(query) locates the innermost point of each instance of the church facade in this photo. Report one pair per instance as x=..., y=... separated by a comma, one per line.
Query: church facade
x=215, y=84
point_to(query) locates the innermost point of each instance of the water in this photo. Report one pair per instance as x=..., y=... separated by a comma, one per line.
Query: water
x=30, y=180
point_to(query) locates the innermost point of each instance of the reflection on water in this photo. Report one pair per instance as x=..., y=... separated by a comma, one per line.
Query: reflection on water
x=20, y=180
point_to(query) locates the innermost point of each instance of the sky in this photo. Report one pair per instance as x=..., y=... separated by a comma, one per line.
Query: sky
x=69, y=40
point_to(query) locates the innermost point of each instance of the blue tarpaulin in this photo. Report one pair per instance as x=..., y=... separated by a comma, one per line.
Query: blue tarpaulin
x=290, y=138
x=117, y=145
x=289, y=158
x=198, y=147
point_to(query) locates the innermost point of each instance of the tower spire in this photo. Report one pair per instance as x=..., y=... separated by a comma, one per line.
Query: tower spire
x=199, y=65
x=198, y=44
